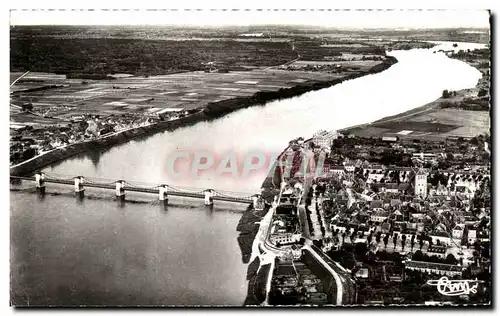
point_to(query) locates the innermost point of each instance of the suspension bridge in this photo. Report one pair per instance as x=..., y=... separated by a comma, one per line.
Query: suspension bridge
x=122, y=186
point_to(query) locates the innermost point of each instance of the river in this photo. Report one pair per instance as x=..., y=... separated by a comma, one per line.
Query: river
x=95, y=251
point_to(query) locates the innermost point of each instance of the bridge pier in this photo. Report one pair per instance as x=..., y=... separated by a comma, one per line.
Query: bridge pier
x=283, y=185
x=79, y=189
x=257, y=202
x=40, y=182
x=275, y=201
x=163, y=193
x=209, y=194
x=120, y=189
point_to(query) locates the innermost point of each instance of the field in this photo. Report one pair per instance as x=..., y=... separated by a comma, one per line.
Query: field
x=155, y=70
x=154, y=94
x=470, y=123
x=435, y=124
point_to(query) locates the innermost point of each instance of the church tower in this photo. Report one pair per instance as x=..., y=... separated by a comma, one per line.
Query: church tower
x=421, y=183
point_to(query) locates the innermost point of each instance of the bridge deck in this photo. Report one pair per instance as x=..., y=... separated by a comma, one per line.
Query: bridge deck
x=153, y=190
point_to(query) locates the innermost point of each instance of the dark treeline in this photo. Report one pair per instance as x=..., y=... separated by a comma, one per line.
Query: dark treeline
x=140, y=57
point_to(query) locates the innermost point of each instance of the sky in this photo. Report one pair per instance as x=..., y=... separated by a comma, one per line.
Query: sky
x=341, y=18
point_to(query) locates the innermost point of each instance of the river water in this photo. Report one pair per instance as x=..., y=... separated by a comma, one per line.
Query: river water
x=96, y=251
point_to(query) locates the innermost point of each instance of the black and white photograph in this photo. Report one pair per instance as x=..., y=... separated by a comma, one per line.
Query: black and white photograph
x=250, y=157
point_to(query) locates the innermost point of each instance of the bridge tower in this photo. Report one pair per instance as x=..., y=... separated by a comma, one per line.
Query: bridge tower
x=120, y=189
x=209, y=194
x=40, y=182
x=163, y=193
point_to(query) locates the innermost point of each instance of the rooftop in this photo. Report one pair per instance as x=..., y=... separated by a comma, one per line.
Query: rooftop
x=432, y=265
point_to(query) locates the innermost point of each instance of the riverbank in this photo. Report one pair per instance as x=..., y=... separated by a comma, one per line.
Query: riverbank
x=461, y=113
x=212, y=111
x=248, y=226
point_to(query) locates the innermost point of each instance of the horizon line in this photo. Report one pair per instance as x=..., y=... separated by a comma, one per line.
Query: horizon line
x=394, y=28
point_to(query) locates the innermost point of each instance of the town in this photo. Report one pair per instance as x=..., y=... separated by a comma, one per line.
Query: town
x=393, y=213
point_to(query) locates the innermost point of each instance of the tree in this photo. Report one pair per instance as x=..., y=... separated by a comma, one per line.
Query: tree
x=446, y=94
x=418, y=256
x=450, y=259
x=403, y=242
x=477, y=246
x=27, y=107
x=29, y=153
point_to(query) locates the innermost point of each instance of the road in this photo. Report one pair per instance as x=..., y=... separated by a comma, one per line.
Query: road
x=345, y=285
x=346, y=288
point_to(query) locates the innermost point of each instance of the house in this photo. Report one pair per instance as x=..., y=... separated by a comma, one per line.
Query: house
x=350, y=167
x=405, y=174
x=376, y=204
x=435, y=268
x=379, y=216
x=324, y=139
x=418, y=216
x=337, y=170
x=391, y=188
x=342, y=228
x=385, y=228
x=362, y=273
x=284, y=238
x=441, y=236
x=403, y=188
x=395, y=202
x=438, y=251
x=373, y=168
x=420, y=227
x=397, y=216
x=464, y=191
x=375, y=176
x=440, y=190
x=390, y=139
x=458, y=231
x=425, y=156
x=483, y=236
x=471, y=236
x=378, y=187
